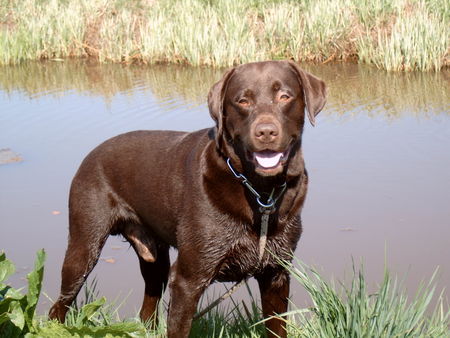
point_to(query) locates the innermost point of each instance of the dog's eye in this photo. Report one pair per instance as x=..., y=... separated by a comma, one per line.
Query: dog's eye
x=284, y=98
x=244, y=102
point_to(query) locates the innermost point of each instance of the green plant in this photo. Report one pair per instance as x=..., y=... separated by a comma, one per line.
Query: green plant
x=335, y=312
x=17, y=310
x=354, y=312
x=237, y=319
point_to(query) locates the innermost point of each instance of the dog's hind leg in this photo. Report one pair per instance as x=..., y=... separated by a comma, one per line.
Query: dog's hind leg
x=155, y=276
x=154, y=263
x=89, y=227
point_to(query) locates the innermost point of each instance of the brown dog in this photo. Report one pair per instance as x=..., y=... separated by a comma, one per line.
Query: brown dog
x=165, y=188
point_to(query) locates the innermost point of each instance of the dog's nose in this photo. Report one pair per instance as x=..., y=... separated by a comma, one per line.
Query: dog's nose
x=266, y=132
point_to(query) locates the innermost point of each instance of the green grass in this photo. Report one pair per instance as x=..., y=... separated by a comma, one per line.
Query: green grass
x=18, y=312
x=335, y=311
x=354, y=312
x=391, y=34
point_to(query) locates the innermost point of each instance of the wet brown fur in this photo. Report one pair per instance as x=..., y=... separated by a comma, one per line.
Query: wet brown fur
x=165, y=188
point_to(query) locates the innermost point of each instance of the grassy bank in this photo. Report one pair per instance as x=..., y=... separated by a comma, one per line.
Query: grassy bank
x=391, y=34
x=347, y=312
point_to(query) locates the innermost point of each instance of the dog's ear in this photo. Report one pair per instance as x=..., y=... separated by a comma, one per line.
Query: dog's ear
x=314, y=92
x=216, y=98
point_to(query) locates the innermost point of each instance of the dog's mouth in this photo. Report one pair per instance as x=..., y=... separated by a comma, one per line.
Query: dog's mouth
x=268, y=159
x=268, y=162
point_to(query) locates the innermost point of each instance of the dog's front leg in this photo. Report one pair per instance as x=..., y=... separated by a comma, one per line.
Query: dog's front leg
x=274, y=288
x=186, y=287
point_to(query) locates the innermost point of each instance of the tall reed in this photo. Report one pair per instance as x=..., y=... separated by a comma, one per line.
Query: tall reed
x=391, y=34
x=355, y=312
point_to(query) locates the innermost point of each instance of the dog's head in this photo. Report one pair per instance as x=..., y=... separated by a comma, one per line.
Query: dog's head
x=259, y=110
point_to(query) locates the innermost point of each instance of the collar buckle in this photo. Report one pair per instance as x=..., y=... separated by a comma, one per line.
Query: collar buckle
x=267, y=207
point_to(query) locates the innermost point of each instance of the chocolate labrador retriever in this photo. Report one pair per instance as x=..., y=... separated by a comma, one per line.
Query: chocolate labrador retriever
x=166, y=188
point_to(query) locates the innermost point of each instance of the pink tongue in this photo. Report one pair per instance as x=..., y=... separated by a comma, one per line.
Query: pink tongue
x=268, y=160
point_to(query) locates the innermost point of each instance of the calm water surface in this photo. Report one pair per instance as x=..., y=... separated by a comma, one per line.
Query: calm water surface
x=378, y=159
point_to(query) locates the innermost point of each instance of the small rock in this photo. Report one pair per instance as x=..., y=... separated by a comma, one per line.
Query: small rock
x=109, y=260
x=347, y=229
x=8, y=156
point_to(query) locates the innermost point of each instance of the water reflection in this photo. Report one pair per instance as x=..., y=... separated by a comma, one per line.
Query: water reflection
x=353, y=89
x=356, y=89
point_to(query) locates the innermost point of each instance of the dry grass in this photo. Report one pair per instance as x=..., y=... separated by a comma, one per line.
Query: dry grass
x=391, y=34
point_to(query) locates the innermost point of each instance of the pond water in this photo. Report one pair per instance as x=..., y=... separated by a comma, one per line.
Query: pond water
x=378, y=159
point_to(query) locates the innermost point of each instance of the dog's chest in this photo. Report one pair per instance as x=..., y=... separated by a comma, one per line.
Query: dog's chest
x=242, y=260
